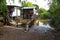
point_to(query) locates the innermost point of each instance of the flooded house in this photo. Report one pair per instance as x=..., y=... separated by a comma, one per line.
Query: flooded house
x=28, y=17
x=30, y=14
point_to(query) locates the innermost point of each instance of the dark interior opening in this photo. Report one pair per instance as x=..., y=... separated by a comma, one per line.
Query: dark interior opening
x=27, y=13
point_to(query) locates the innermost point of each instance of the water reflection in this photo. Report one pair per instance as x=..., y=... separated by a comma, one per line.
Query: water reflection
x=41, y=27
x=45, y=25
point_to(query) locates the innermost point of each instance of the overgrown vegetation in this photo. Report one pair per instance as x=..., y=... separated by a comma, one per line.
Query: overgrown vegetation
x=44, y=14
x=3, y=10
x=55, y=13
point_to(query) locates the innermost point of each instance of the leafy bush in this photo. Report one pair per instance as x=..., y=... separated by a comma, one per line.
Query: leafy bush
x=45, y=15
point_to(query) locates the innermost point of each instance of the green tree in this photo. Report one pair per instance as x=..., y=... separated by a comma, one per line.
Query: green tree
x=55, y=11
x=27, y=4
x=3, y=10
x=37, y=7
x=44, y=14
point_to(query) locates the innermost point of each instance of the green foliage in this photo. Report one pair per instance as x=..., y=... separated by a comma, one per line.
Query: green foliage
x=44, y=14
x=3, y=7
x=37, y=7
x=27, y=4
x=55, y=12
x=3, y=12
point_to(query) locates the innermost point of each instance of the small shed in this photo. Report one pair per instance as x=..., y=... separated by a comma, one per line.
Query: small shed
x=28, y=12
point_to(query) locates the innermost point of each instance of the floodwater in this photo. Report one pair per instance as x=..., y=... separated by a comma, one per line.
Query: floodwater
x=42, y=27
x=36, y=32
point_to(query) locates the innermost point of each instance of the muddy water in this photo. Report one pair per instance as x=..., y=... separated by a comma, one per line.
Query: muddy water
x=36, y=32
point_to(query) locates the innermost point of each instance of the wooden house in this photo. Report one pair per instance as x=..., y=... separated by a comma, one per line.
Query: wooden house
x=14, y=7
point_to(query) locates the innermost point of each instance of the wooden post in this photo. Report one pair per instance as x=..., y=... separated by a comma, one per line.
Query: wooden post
x=27, y=27
x=16, y=17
